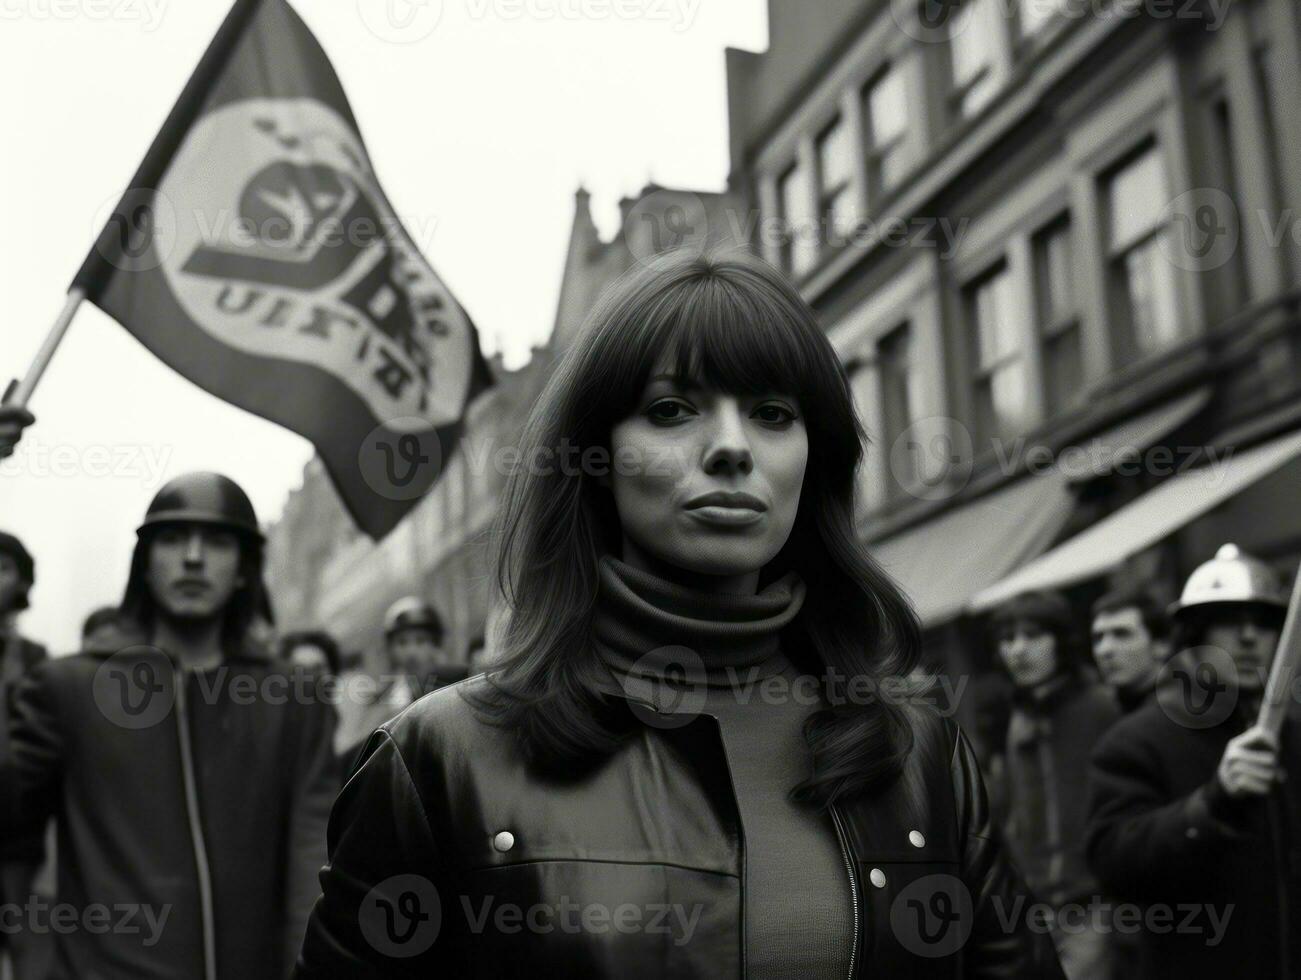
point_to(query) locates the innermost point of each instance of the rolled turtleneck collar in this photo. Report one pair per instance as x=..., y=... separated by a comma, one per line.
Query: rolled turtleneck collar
x=642, y=621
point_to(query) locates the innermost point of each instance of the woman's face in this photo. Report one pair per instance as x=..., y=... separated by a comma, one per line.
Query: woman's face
x=706, y=482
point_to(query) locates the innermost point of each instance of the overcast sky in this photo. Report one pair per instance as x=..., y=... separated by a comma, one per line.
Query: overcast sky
x=481, y=117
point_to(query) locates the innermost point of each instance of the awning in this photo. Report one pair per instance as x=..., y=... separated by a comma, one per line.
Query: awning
x=1134, y=528
x=1102, y=454
x=942, y=562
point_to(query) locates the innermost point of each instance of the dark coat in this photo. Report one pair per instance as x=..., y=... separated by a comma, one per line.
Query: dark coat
x=109, y=762
x=1049, y=740
x=18, y=656
x=1162, y=833
x=444, y=823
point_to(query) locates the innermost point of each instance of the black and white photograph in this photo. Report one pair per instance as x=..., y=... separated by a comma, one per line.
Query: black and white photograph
x=650, y=489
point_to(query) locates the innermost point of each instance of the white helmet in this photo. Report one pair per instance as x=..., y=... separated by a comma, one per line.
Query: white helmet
x=1231, y=576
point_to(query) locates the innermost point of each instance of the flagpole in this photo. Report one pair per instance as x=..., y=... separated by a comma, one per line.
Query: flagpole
x=101, y=259
x=21, y=392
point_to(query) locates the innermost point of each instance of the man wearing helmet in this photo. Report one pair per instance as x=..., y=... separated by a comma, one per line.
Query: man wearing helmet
x=190, y=777
x=416, y=663
x=1189, y=812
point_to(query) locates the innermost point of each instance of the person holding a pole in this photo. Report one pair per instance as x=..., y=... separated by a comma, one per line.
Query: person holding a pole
x=1191, y=816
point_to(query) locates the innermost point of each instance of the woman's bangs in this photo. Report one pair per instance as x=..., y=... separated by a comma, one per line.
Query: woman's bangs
x=733, y=340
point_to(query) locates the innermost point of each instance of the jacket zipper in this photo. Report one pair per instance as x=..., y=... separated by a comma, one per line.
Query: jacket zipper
x=196, y=828
x=853, y=885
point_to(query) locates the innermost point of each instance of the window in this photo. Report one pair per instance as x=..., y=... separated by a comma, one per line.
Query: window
x=900, y=402
x=799, y=229
x=885, y=116
x=1143, y=281
x=1058, y=315
x=977, y=60
x=835, y=170
x=999, y=383
x=1035, y=14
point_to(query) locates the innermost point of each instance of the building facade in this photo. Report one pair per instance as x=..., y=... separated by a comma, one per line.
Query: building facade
x=1055, y=245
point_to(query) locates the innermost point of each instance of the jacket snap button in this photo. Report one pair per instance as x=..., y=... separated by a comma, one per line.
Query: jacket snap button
x=916, y=839
x=504, y=840
x=877, y=877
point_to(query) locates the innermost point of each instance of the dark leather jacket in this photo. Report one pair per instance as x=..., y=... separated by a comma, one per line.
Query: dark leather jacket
x=450, y=856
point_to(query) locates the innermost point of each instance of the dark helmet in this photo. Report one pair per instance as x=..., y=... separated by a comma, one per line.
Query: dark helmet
x=413, y=613
x=12, y=547
x=203, y=498
x=216, y=500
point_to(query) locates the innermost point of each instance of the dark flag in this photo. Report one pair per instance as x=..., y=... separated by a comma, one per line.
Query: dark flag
x=256, y=253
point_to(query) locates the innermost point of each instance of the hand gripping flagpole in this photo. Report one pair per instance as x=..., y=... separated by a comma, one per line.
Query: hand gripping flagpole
x=20, y=392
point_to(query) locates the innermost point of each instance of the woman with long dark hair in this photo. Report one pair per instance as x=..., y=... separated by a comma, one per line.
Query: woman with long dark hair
x=695, y=754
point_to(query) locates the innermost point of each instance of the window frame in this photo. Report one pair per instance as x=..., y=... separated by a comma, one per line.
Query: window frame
x=980, y=375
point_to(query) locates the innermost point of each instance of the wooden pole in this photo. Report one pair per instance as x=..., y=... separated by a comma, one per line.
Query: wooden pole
x=20, y=394
x=1278, y=691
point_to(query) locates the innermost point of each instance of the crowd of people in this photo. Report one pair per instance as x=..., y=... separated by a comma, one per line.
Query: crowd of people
x=1129, y=819
x=1147, y=809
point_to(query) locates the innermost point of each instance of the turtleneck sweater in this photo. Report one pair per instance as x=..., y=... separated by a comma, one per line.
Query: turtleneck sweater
x=797, y=904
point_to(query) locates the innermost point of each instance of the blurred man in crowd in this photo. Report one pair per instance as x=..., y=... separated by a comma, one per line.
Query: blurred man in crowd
x=20, y=853
x=1190, y=814
x=313, y=650
x=188, y=783
x=416, y=662
x=1129, y=644
x=107, y=630
x=1058, y=713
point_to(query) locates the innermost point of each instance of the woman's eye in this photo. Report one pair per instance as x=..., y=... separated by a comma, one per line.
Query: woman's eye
x=775, y=414
x=667, y=411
